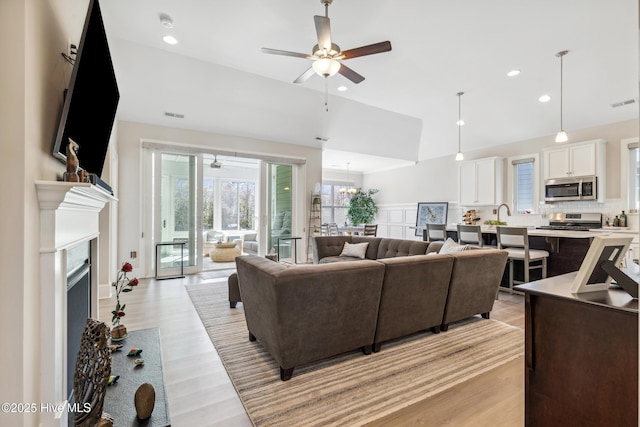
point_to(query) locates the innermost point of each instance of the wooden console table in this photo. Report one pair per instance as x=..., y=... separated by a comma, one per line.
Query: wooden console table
x=119, y=398
x=581, y=355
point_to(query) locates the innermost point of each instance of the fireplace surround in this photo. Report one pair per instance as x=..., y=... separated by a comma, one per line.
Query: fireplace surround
x=69, y=216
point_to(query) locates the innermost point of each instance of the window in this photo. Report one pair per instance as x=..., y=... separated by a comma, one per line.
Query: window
x=523, y=179
x=238, y=205
x=334, y=204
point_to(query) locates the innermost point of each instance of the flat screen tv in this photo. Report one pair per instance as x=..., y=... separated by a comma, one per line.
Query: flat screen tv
x=92, y=98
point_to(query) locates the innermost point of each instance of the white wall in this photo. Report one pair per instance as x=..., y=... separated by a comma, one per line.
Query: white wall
x=131, y=191
x=342, y=177
x=34, y=75
x=436, y=180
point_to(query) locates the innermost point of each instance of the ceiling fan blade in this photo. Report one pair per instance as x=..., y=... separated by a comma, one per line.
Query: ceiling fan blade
x=350, y=74
x=305, y=76
x=323, y=29
x=284, y=52
x=367, y=50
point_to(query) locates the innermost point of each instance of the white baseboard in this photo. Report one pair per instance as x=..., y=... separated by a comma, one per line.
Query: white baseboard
x=104, y=290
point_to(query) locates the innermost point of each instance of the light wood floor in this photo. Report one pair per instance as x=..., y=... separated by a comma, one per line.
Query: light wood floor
x=200, y=392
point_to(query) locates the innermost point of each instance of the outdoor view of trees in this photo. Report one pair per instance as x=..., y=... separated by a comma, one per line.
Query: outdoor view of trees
x=237, y=205
x=181, y=204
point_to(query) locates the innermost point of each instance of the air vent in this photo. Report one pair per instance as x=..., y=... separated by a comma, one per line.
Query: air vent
x=620, y=104
x=322, y=138
x=176, y=115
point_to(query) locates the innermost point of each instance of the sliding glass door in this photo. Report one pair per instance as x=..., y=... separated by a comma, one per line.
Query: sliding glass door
x=176, y=217
x=281, y=211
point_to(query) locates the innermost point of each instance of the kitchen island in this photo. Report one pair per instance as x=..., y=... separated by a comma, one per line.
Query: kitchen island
x=581, y=355
x=567, y=248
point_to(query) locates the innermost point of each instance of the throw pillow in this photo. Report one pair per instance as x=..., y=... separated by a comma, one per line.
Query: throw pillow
x=355, y=250
x=450, y=247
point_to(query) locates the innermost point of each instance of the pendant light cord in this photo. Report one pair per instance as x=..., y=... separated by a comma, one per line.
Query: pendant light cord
x=561, y=54
x=561, y=91
x=459, y=117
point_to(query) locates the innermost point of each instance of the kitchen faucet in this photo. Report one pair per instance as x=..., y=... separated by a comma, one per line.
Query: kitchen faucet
x=498, y=210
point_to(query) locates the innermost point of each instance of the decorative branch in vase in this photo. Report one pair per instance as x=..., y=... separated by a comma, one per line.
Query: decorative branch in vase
x=122, y=284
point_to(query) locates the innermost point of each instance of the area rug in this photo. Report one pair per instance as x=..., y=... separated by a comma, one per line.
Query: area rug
x=350, y=389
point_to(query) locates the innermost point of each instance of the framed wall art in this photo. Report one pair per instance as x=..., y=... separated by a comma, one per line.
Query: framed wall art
x=430, y=213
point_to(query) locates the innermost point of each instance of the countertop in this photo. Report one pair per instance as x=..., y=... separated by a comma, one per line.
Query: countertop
x=560, y=286
x=532, y=231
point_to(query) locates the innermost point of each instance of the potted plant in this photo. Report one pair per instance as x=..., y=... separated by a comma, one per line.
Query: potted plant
x=362, y=208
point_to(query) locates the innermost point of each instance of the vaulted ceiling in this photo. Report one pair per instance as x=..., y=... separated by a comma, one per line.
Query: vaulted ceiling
x=406, y=109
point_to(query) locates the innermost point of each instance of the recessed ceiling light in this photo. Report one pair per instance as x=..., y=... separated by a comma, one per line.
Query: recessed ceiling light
x=513, y=73
x=170, y=40
x=544, y=98
x=342, y=88
x=460, y=122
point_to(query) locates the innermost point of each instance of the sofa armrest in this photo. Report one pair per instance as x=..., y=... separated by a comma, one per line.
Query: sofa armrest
x=327, y=246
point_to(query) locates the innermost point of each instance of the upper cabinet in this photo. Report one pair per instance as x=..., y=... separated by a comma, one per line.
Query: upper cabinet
x=481, y=182
x=581, y=159
x=575, y=160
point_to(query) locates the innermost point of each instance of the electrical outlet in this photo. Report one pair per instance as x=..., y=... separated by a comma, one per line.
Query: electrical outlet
x=134, y=255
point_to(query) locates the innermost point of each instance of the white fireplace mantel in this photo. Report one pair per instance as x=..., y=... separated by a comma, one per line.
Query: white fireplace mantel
x=69, y=215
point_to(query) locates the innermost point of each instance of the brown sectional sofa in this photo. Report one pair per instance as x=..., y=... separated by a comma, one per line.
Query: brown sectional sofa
x=306, y=313
x=311, y=312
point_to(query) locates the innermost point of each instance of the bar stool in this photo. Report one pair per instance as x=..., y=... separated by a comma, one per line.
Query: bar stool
x=470, y=235
x=436, y=232
x=515, y=240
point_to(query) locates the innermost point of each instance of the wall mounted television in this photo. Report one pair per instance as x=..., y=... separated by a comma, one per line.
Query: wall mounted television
x=92, y=98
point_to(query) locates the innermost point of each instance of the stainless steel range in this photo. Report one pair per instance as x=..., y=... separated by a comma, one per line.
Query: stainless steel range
x=573, y=221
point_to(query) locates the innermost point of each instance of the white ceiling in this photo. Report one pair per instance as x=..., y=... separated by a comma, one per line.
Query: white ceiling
x=406, y=109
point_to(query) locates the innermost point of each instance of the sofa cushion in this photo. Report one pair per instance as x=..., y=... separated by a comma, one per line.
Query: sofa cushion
x=372, y=249
x=390, y=248
x=450, y=247
x=355, y=250
x=330, y=259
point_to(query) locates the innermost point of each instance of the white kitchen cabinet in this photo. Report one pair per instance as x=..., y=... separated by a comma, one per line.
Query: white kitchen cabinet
x=583, y=159
x=481, y=182
x=579, y=159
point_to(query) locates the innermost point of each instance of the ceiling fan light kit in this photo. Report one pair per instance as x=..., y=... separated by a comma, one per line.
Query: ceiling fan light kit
x=562, y=135
x=326, y=55
x=326, y=67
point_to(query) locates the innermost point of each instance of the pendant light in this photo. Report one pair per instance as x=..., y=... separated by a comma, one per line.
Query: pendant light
x=562, y=135
x=459, y=156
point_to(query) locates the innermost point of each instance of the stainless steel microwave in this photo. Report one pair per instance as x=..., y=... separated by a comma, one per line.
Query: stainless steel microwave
x=573, y=188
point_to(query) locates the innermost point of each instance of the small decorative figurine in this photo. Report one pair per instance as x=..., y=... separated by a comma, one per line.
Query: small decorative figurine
x=139, y=362
x=113, y=379
x=144, y=400
x=73, y=164
x=134, y=352
x=113, y=347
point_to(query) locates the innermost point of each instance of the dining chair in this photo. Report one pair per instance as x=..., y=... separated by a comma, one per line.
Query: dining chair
x=324, y=229
x=436, y=232
x=370, y=230
x=470, y=235
x=333, y=229
x=515, y=240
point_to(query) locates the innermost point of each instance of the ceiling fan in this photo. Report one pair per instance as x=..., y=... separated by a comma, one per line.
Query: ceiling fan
x=215, y=164
x=326, y=55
